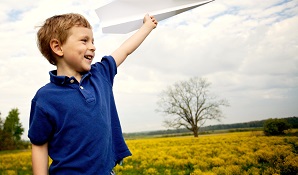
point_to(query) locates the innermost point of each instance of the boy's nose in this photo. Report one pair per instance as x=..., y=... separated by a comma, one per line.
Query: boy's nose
x=92, y=47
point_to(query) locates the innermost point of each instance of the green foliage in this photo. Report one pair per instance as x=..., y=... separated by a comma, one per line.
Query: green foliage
x=293, y=121
x=12, y=125
x=6, y=139
x=11, y=131
x=276, y=126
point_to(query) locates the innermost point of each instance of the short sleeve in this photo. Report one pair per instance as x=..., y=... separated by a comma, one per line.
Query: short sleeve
x=107, y=67
x=40, y=127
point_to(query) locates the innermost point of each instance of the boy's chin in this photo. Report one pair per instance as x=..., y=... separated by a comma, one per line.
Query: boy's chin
x=86, y=69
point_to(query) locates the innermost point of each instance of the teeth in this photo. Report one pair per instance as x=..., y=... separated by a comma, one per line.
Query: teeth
x=88, y=57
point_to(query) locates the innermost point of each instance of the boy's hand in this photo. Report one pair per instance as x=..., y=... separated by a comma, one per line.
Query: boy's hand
x=150, y=21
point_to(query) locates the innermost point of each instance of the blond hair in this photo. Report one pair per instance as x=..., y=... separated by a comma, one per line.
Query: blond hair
x=57, y=27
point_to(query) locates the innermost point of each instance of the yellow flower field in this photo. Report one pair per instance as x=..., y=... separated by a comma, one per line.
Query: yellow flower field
x=15, y=163
x=248, y=153
x=227, y=154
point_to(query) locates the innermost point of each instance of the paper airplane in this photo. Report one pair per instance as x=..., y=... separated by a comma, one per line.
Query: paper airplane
x=124, y=16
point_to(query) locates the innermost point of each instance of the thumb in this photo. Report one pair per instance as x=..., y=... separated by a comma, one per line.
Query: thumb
x=146, y=18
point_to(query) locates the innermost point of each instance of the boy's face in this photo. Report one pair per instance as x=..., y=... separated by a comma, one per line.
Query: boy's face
x=78, y=50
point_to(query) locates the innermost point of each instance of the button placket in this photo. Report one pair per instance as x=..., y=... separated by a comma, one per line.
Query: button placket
x=89, y=97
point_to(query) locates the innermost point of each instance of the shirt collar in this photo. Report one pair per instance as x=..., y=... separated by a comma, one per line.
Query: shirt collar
x=54, y=78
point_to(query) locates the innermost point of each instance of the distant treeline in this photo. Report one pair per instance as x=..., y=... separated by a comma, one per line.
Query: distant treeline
x=293, y=121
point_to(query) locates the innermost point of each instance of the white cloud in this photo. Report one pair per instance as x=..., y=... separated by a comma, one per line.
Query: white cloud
x=246, y=49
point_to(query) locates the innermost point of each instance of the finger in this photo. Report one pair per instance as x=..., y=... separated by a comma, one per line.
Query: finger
x=152, y=17
x=153, y=20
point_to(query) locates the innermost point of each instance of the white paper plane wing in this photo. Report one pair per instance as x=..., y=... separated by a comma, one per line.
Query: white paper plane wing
x=124, y=16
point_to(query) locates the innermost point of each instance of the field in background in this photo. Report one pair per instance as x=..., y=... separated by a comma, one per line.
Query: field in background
x=240, y=153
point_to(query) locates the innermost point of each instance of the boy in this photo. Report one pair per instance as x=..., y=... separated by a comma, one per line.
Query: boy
x=73, y=118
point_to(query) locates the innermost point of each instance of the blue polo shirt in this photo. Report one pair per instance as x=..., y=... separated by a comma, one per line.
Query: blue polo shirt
x=79, y=121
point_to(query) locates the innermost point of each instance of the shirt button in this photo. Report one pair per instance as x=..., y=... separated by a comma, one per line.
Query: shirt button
x=72, y=81
x=81, y=87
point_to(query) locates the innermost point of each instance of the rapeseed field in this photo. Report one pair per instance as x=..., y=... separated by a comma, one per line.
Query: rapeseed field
x=246, y=153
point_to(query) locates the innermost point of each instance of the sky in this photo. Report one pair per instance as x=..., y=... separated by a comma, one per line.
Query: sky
x=247, y=50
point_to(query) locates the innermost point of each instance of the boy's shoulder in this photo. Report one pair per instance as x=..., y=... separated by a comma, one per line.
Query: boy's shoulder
x=45, y=90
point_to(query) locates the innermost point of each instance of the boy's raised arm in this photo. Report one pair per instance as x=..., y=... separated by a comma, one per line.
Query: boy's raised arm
x=132, y=43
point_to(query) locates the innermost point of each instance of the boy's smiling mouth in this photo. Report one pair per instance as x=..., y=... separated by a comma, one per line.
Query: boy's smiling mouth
x=88, y=57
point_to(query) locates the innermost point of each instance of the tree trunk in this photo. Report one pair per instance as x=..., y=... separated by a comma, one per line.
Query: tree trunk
x=195, y=133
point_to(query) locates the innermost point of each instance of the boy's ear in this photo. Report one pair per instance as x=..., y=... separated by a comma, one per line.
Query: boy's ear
x=56, y=47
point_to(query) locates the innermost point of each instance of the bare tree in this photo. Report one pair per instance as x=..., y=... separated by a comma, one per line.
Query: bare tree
x=189, y=104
